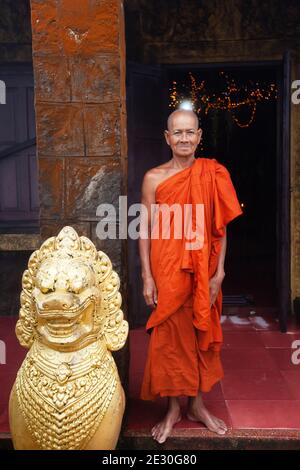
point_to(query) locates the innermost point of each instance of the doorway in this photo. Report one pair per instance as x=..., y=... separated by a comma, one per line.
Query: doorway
x=251, y=147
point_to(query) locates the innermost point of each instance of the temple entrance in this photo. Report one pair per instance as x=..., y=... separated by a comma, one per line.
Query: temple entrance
x=249, y=142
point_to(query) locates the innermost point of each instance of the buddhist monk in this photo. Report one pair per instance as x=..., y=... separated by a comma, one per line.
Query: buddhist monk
x=183, y=285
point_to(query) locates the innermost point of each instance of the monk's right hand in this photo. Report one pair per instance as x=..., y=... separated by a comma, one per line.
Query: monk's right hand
x=150, y=292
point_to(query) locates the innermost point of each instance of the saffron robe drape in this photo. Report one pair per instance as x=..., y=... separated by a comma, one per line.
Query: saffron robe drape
x=186, y=335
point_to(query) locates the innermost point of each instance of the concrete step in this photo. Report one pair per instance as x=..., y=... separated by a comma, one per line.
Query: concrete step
x=188, y=439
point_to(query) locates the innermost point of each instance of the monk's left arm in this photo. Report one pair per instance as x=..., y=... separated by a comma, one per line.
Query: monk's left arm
x=220, y=272
x=215, y=282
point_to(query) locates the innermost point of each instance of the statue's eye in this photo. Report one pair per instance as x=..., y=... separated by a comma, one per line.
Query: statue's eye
x=46, y=289
x=76, y=285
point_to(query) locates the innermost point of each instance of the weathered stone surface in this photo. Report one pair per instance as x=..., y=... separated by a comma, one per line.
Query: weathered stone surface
x=102, y=129
x=75, y=27
x=19, y=242
x=95, y=79
x=216, y=51
x=15, y=22
x=90, y=182
x=60, y=129
x=51, y=184
x=52, y=79
x=113, y=248
x=15, y=31
x=45, y=26
x=88, y=26
x=52, y=228
x=191, y=22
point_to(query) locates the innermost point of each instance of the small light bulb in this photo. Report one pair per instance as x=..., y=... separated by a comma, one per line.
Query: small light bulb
x=186, y=105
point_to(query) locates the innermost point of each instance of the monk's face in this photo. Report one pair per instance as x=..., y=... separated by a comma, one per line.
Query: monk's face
x=183, y=135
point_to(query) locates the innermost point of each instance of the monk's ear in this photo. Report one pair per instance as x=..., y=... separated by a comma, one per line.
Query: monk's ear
x=199, y=131
x=166, y=133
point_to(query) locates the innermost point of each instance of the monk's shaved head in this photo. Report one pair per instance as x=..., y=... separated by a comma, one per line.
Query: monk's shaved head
x=186, y=112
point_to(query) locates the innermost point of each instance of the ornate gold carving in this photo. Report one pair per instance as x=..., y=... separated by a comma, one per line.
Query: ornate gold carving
x=70, y=318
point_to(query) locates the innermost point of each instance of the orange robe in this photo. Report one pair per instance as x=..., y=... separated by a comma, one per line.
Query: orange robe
x=186, y=335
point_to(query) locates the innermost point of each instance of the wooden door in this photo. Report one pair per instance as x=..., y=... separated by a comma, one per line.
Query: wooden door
x=146, y=115
x=19, y=204
x=283, y=198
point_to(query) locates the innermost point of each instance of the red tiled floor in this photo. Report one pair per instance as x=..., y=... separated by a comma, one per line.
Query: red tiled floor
x=139, y=341
x=7, y=327
x=241, y=339
x=283, y=358
x=260, y=389
x=153, y=412
x=14, y=356
x=292, y=378
x=217, y=408
x=216, y=394
x=262, y=414
x=259, y=378
x=251, y=358
x=7, y=379
x=276, y=339
x=144, y=414
x=4, y=426
x=249, y=384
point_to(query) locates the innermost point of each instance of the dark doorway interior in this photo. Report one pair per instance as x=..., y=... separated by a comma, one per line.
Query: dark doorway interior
x=249, y=153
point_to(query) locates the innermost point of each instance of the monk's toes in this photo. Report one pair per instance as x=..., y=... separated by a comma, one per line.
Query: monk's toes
x=162, y=437
x=220, y=430
x=179, y=419
x=154, y=431
x=159, y=438
x=220, y=423
x=213, y=425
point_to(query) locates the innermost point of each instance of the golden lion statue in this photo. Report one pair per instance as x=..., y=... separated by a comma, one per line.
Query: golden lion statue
x=67, y=394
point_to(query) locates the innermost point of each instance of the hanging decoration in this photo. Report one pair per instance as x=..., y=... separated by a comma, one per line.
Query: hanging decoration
x=233, y=98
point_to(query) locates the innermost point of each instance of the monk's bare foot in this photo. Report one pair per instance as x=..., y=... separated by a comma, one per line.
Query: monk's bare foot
x=198, y=412
x=162, y=430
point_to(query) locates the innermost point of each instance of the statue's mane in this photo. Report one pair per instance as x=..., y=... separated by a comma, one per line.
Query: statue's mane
x=67, y=243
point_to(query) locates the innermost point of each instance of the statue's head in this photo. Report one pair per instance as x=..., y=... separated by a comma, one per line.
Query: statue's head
x=70, y=296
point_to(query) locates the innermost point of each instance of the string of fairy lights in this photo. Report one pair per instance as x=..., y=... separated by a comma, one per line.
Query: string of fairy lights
x=232, y=98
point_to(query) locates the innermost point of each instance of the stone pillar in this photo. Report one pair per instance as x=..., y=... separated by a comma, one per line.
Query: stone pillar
x=79, y=68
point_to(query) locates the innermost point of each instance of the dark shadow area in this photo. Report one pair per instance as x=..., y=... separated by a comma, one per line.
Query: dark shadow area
x=250, y=154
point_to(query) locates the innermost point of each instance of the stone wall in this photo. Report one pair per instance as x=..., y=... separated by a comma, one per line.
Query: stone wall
x=209, y=31
x=15, y=31
x=187, y=31
x=79, y=69
x=80, y=107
